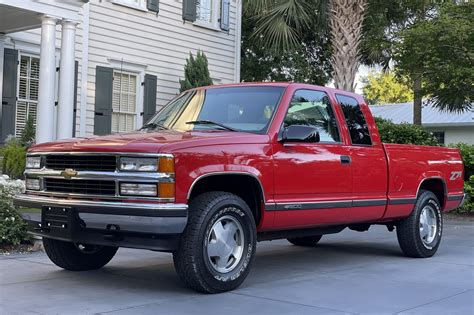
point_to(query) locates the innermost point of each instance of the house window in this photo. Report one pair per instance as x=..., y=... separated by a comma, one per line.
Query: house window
x=204, y=11
x=439, y=135
x=28, y=81
x=134, y=4
x=124, y=102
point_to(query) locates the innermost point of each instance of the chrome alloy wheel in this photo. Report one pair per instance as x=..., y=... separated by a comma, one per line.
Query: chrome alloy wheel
x=428, y=226
x=225, y=244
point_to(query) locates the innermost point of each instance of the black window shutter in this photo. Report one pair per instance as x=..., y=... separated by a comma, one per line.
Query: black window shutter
x=74, y=112
x=8, y=104
x=225, y=15
x=103, y=100
x=153, y=5
x=149, y=98
x=189, y=10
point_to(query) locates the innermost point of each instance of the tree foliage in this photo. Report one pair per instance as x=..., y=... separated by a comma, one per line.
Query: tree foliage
x=307, y=62
x=440, y=51
x=196, y=72
x=404, y=133
x=385, y=88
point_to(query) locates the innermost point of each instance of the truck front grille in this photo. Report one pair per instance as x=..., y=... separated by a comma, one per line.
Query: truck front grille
x=80, y=186
x=105, y=163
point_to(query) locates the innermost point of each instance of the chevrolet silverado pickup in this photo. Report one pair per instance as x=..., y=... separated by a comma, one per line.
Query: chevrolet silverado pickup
x=222, y=167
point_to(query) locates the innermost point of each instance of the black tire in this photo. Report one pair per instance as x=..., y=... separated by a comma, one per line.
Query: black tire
x=307, y=241
x=78, y=257
x=194, y=267
x=409, y=234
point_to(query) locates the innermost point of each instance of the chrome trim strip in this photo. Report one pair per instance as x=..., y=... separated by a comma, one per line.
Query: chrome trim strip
x=91, y=175
x=325, y=204
x=86, y=197
x=94, y=206
x=456, y=197
x=136, y=154
x=401, y=201
x=226, y=173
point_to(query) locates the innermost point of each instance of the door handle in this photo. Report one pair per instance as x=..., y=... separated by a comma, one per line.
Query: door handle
x=99, y=114
x=345, y=159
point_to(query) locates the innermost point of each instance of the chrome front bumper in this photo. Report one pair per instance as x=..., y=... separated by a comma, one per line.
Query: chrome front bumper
x=151, y=218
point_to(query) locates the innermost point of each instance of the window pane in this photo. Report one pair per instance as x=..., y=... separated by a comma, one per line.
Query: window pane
x=124, y=101
x=313, y=108
x=355, y=120
x=247, y=108
x=204, y=10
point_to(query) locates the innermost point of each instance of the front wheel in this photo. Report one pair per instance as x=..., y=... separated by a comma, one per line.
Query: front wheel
x=218, y=245
x=419, y=235
x=78, y=257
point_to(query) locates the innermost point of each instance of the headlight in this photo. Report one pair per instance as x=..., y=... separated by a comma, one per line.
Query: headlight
x=130, y=189
x=32, y=184
x=33, y=162
x=138, y=164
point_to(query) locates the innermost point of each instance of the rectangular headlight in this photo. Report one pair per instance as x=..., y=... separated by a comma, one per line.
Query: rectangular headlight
x=132, y=189
x=33, y=161
x=138, y=164
x=32, y=184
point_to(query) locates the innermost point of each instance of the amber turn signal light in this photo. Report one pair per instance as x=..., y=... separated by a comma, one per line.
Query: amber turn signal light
x=166, y=165
x=166, y=190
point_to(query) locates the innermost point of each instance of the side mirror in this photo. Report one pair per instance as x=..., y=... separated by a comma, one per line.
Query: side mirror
x=300, y=133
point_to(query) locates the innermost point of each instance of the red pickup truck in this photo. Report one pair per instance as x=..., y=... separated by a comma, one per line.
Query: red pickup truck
x=222, y=167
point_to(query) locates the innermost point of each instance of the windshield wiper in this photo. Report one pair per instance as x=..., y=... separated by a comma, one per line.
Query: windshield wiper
x=209, y=122
x=153, y=125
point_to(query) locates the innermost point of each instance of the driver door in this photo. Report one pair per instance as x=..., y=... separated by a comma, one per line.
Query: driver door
x=313, y=183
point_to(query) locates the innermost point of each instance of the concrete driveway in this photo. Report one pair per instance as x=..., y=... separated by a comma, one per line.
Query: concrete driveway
x=348, y=272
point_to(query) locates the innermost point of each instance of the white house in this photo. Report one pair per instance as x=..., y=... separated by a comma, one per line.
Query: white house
x=93, y=67
x=447, y=127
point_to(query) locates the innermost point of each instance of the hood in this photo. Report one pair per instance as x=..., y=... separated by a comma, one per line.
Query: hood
x=148, y=142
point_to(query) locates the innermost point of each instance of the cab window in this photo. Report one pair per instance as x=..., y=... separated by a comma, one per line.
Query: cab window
x=313, y=108
x=355, y=120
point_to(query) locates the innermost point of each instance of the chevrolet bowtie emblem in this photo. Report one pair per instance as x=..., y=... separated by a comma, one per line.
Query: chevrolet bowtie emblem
x=68, y=173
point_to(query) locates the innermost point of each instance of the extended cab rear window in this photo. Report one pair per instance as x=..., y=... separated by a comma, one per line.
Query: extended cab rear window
x=355, y=120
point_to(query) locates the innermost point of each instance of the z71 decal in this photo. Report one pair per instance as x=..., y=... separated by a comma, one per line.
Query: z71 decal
x=455, y=175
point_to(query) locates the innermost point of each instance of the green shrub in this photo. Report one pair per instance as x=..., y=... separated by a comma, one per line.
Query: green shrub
x=467, y=153
x=404, y=133
x=14, y=158
x=27, y=137
x=196, y=72
x=12, y=226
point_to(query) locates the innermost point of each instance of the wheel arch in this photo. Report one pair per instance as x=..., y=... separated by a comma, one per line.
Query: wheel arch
x=245, y=185
x=437, y=186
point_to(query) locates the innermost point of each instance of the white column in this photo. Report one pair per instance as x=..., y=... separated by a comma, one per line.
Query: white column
x=66, y=81
x=45, y=111
x=2, y=51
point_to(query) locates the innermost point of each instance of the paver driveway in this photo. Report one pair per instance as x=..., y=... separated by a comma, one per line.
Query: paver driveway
x=348, y=272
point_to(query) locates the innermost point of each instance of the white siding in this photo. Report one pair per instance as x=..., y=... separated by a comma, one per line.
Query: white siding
x=456, y=134
x=159, y=43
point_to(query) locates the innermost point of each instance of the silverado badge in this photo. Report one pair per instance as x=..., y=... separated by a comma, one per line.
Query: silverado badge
x=68, y=173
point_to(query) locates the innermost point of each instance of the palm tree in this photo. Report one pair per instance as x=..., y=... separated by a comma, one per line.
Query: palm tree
x=283, y=22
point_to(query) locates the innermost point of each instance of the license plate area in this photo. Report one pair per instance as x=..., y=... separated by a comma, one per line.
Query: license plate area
x=57, y=219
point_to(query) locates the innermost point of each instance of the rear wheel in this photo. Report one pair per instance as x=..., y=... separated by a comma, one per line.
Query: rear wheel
x=78, y=257
x=419, y=235
x=218, y=245
x=308, y=241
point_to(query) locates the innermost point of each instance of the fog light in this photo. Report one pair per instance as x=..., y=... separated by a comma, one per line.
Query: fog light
x=132, y=189
x=32, y=184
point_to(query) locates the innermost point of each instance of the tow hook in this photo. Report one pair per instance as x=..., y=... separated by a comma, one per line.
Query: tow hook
x=114, y=234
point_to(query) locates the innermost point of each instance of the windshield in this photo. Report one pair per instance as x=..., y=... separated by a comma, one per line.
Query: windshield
x=247, y=109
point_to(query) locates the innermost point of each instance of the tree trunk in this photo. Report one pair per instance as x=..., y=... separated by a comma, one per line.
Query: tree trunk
x=417, y=100
x=346, y=18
